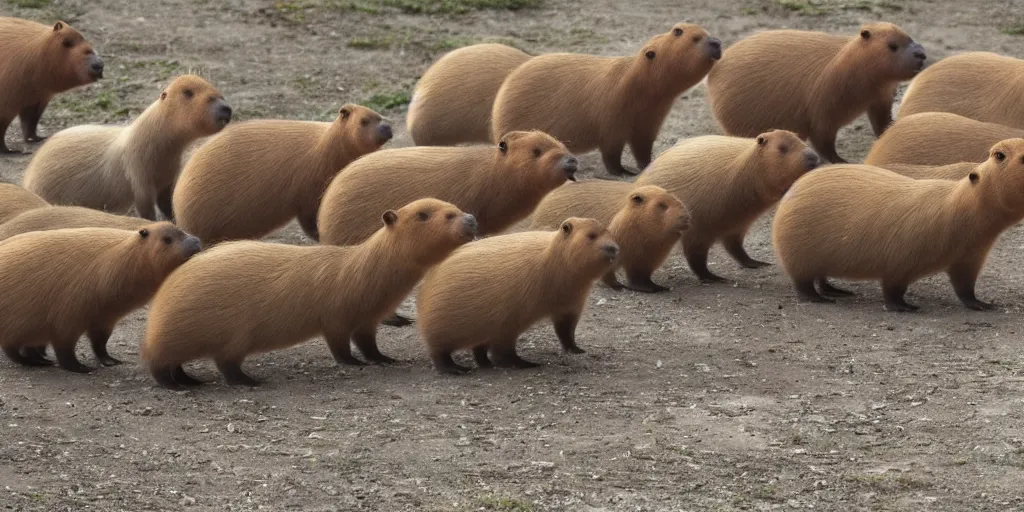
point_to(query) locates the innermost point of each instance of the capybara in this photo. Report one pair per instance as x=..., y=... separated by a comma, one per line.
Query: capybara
x=645, y=221
x=726, y=183
x=452, y=101
x=867, y=223
x=995, y=84
x=57, y=285
x=113, y=168
x=38, y=62
x=66, y=217
x=255, y=176
x=15, y=200
x=955, y=171
x=490, y=291
x=937, y=138
x=590, y=102
x=812, y=83
x=247, y=297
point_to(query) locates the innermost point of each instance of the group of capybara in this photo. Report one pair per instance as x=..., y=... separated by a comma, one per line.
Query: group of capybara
x=496, y=130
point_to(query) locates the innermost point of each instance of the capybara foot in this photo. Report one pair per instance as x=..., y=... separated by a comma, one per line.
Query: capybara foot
x=831, y=291
x=109, y=360
x=37, y=355
x=978, y=305
x=234, y=375
x=73, y=365
x=480, y=355
x=707, y=277
x=752, y=263
x=348, y=359
x=623, y=171
x=512, y=360
x=900, y=306
x=24, y=357
x=379, y=358
x=183, y=378
x=165, y=378
x=397, y=320
x=645, y=285
x=34, y=138
x=445, y=364
x=805, y=292
x=572, y=349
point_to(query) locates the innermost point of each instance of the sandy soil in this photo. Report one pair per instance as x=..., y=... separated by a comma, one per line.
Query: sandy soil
x=721, y=397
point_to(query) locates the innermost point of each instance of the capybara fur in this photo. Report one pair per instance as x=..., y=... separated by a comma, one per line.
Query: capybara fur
x=66, y=217
x=57, y=285
x=645, y=221
x=726, y=183
x=500, y=183
x=452, y=101
x=491, y=290
x=590, y=102
x=866, y=223
x=812, y=83
x=995, y=82
x=255, y=176
x=114, y=168
x=937, y=138
x=38, y=62
x=955, y=171
x=15, y=199
x=248, y=297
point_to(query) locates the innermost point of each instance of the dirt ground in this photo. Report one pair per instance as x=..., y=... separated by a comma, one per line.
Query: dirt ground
x=717, y=397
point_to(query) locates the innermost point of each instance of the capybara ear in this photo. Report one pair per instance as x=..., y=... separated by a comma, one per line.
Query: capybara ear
x=865, y=34
x=390, y=217
x=566, y=229
x=638, y=199
x=650, y=54
x=345, y=111
x=973, y=177
x=57, y=27
x=144, y=232
x=761, y=140
x=163, y=95
x=503, y=146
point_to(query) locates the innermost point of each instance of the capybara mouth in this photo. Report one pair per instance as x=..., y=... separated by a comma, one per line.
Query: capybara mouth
x=683, y=225
x=714, y=48
x=191, y=245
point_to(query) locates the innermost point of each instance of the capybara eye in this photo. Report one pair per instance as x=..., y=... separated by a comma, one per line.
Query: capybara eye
x=143, y=232
x=188, y=93
x=650, y=54
x=423, y=216
x=697, y=39
x=894, y=46
x=638, y=199
x=1000, y=156
x=503, y=146
x=365, y=122
x=663, y=206
x=783, y=149
x=760, y=141
x=537, y=152
x=168, y=240
x=677, y=32
x=592, y=236
x=68, y=43
x=450, y=216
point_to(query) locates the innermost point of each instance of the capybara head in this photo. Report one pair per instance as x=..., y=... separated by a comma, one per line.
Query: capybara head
x=653, y=209
x=195, y=105
x=429, y=229
x=167, y=245
x=686, y=52
x=783, y=157
x=892, y=49
x=587, y=245
x=365, y=130
x=72, y=58
x=1003, y=174
x=536, y=156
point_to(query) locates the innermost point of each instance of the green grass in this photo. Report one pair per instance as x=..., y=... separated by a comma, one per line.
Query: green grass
x=1013, y=29
x=371, y=43
x=387, y=100
x=30, y=4
x=503, y=504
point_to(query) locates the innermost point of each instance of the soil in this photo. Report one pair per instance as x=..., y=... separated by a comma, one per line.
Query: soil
x=707, y=397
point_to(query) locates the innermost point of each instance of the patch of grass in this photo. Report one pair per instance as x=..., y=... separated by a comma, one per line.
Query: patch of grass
x=503, y=504
x=452, y=43
x=1013, y=29
x=432, y=6
x=371, y=43
x=30, y=4
x=387, y=100
x=162, y=68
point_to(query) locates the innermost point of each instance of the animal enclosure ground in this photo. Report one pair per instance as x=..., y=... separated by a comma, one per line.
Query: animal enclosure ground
x=707, y=397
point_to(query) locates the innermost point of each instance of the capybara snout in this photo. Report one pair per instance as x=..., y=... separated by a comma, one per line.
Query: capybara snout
x=384, y=133
x=570, y=164
x=222, y=112
x=811, y=159
x=469, y=225
x=611, y=250
x=191, y=245
x=95, y=67
x=714, y=48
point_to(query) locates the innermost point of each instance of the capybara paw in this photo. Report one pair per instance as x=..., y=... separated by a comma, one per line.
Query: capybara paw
x=649, y=287
x=573, y=349
x=382, y=359
x=806, y=297
x=109, y=361
x=978, y=305
x=454, y=369
x=77, y=368
x=710, y=278
x=35, y=138
x=349, y=360
x=900, y=307
x=752, y=263
x=397, y=321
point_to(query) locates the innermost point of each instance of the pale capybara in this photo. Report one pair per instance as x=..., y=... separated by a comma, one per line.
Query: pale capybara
x=866, y=223
x=247, y=297
x=57, y=285
x=66, y=217
x=500, y=183
x=955, y=171
x=645, y=221
x=812, y=83
x=15, y=199
x=114, y=168
x=452, y=102
x=726, y=183
x=590, y=102
x=255, y=176
x=39, y=62
x=490, y=291
x=994, y=82
x=937, y=138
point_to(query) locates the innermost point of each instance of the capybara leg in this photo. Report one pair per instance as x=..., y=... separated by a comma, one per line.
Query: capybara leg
x=643, y=151
x=733, y=244
x=963, y=276
x=98, y=339
x=308, y=223
x=697, y=258
x=37, y=355
x=880, y=115
x=640, y=281
x=505, y=356
x=366, y=342
x=67, y=359
x=30, y=116
x=145, y=208
x=825, y=145
x=342, y=350
x=444, y=363
x=396, y=320
x=164, y=201
x=19, y=357
x=565, y=329
x=894, y=300
x=480, y=355
x=611, y=280
x=4, y=124
x=612, y=158
x=805, y=291
x=183, y=378
x=831, y=291
x=233, y=374
x=165, y=377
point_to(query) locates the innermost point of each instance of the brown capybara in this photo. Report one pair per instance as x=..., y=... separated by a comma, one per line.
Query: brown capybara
x=15, y=200
x=113, y=168
x=66, y=217
x=645, y=221
x=726, y=183
x=995, y=84
x=955, y=171
x=255, y=176
x=57, y=285
x=247, y=297
x=937, y=138
x=812, y=83
x=452, y=101
x=490, y=291
x=39, y=62
x=867, y=223
x=590, y=102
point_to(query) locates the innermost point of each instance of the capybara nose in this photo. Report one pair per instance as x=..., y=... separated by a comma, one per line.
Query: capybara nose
x=714, y=48
x=811, y=159
x=384, y=132
x=224, y=112
x=469, y=224
x=610, y=250
x=96, y=67
x=570, y=165
x=191, y=245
